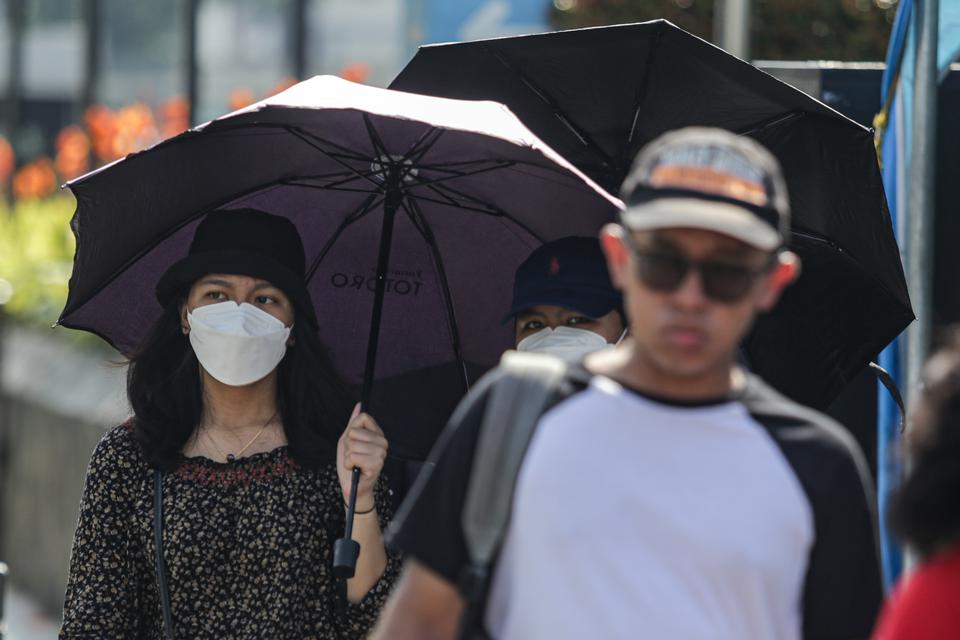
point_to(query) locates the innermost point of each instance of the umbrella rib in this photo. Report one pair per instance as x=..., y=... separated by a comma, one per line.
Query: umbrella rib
x=421, y=223
x=375, y=138
x=500, y=213
x=583, y=136
x=504, y=164
x=320, y=187
x=456, y=193
x=409, y=163
x=342, y=151
x=369, y=204
x=496, y=213
x=456, y=205
x=772, y=122
x=314, y=143
x=462, y=163
x=331, y=185
x=625, y=158
x=322, y=176
x=414, y=153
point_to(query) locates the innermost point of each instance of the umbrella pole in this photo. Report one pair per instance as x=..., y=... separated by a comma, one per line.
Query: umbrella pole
x=346, y=550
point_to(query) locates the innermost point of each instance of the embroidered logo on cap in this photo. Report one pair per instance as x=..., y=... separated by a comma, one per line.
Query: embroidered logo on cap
x=709, y=180
x=554, y=266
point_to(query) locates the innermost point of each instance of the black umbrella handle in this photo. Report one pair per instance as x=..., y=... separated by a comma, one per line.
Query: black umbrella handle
x=346, y=550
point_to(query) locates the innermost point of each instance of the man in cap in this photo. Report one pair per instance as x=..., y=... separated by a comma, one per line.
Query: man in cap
x=670, y=493
x=563, y=301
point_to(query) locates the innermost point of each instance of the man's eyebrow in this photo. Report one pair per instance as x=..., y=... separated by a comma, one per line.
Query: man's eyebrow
x=657, y=241
x=530, y=314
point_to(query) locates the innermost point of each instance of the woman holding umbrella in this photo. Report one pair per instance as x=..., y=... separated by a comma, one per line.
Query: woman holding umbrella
x=212, y=512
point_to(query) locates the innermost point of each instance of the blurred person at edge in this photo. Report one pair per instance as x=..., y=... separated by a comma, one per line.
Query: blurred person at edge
x=236, y=402
x=669, y=493
x=925, y=511
x=563, y=301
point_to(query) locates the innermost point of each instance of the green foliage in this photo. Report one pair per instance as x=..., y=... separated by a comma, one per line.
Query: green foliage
x=36, y=257
x=851, y=30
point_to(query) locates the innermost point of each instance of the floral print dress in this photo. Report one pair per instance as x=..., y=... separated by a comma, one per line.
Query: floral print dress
x=248, y=547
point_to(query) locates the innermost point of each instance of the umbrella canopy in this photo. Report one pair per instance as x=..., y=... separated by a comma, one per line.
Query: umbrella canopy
x=598, y=95
x=436, y=201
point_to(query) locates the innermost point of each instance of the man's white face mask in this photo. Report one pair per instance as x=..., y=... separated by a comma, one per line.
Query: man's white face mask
x=568, y=343
x=237, y=344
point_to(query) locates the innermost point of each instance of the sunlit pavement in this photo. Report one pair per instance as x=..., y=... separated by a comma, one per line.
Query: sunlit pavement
x=25, y=620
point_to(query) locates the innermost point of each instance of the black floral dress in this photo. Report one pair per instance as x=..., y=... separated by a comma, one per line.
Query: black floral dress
x=248, y=547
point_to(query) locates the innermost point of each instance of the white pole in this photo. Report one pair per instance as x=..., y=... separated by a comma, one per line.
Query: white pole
x=920, y=199
x=732, y=29
x=920, y=205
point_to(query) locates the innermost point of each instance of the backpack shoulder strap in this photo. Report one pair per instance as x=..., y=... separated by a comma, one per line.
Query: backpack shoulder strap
x=529, y=385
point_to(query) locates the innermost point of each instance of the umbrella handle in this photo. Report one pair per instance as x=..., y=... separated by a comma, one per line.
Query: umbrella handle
x=346, y=550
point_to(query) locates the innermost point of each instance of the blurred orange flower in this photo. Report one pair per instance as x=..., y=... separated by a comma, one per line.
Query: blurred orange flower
x=174, y=116
x=136, y=129
x=8, y=162
x=281, y=86
x=356, y=72
x=35, y=180
x=102, y=125
x=240, y=98
x=73, y=153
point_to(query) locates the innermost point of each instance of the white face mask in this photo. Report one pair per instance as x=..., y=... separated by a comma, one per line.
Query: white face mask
x=237, y=344
x=568, y=343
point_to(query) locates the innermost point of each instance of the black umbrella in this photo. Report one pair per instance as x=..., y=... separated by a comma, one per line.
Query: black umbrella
x=414, y=211
x=598, y=95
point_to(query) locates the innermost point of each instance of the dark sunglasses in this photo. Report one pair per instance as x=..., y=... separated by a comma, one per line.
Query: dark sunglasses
x=722, y=281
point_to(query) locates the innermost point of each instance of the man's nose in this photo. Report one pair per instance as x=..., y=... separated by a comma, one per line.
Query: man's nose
x=690, y=294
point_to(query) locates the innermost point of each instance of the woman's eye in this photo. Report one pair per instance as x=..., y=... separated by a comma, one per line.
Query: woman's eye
x=265, y=300
x=532, y=325
x=215, y=295
x=579, y=320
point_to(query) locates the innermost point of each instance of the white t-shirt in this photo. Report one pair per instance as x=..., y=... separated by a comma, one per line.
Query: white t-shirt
x=746, y=519
x=638, y=519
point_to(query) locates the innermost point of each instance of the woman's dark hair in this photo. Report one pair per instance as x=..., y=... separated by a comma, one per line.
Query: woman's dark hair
x=164, y=389
x=925, y=512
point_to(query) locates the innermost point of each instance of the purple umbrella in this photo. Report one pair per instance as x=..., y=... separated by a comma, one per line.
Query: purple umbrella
x=414, y=211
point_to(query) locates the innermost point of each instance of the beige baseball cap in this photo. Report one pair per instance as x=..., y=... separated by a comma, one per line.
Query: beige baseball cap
x=709, y=179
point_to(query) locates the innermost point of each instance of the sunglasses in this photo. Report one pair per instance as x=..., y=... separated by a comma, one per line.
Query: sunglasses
x=721, y=281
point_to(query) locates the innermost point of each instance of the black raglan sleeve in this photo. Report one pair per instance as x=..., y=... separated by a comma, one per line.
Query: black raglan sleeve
x=844, y=588
x=428, y=524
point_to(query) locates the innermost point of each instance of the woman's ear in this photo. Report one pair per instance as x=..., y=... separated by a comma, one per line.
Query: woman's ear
x=184, y=323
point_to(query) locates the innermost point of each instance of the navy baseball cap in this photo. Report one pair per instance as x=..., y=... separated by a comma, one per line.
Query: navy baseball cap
x=570, y=273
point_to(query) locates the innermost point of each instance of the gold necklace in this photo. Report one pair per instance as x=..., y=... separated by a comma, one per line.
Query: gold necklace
x=231, y=457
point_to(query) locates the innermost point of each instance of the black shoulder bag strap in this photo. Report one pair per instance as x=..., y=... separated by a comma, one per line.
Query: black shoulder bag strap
x=161, y=564
x=532, y=383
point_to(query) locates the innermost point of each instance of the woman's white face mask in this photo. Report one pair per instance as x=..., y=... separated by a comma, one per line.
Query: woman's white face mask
x=237, y=344
x=568, y=343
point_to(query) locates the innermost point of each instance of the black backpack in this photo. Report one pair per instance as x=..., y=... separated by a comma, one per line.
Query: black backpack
x=530, y=385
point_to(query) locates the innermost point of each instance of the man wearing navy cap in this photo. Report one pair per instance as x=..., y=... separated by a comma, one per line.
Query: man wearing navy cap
x=563, y=301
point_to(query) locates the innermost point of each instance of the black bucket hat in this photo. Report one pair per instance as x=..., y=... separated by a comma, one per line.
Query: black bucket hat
x=246, y=242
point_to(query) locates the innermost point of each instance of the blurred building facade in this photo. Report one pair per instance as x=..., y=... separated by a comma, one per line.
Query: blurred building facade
x=58, y=57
